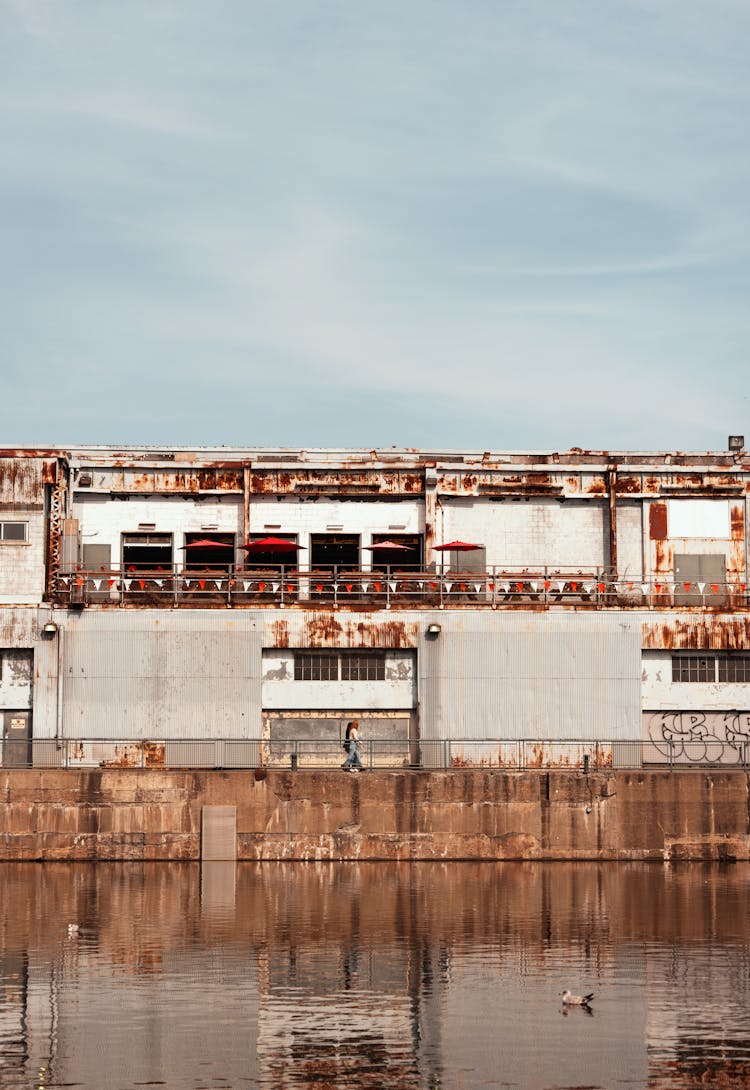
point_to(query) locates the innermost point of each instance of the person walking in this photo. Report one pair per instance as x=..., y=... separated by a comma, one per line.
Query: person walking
x=353, y=762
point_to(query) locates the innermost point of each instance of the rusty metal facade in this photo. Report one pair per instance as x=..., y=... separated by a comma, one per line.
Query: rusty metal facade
x=513, y=656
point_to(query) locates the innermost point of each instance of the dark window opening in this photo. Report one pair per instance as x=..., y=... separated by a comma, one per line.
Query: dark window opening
x=271, y=560
x=14, y=531
x=328, y=551
x=734, y=668
x=410, y=557
x=316, y=666
x=214, y=552
x=339, y=666
x=363, y=666
x=147, y=552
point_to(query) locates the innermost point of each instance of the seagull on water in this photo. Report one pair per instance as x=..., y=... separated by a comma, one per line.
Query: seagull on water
x=570, y=1000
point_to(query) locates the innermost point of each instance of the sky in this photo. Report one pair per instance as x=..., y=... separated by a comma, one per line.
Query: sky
x=468, y=225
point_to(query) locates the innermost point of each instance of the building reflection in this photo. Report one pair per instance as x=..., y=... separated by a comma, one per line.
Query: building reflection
x=309, y=975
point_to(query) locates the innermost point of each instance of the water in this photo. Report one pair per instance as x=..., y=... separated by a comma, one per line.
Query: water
x=373, y=975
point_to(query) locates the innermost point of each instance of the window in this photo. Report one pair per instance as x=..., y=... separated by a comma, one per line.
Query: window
x=316, y=666
x=339, y=666
x=734, y=668
x=14, y=532
x=146, y=552
x=328, y=551
x=362, y=667
x=711, y=668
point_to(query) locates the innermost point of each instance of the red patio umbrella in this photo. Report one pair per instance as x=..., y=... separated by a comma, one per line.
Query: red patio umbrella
x=456, y=546
x=389, y=545
x=271, y=545
x=206, y=543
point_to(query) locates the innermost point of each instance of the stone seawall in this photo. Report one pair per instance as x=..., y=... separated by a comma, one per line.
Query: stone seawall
x=122, y=814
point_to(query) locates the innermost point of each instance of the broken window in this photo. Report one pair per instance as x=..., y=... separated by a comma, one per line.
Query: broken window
x=14, y=531
x=328, y=551
x=693, y=668
x=725, y=668
x=147, y=552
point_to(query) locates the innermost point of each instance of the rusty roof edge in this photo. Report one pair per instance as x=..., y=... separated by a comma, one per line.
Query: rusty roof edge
x=270, y=458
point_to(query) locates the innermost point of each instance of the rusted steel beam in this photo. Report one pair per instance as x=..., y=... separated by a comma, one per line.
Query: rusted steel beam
x=612, y=486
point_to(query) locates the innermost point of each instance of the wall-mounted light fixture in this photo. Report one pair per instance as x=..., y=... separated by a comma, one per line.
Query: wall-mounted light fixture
x=433, y=630
x=49, y=629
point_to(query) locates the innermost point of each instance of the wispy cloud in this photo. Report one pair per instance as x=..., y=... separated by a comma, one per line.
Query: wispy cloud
x=508, y=221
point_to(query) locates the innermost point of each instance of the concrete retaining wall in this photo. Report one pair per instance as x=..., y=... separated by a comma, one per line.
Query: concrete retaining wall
x=155, y=815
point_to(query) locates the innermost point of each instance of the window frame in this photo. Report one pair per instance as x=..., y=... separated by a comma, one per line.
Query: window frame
x=308, y=665
x=14, y=540
x=691, y=668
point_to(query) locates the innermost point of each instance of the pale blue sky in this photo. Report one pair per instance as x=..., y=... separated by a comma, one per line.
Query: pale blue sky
x=440, y=224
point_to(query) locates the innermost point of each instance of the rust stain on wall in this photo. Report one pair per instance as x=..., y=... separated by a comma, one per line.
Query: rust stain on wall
x=657, y=521
x=597, y=487
x=628, y=485
x=663, y=558
x=388, y=634
x=737, y=521
x=696, y=634
x=280, y=630
x=21, y=482
x=322, y=630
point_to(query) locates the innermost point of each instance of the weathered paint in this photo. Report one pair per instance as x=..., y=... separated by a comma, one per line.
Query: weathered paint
x=21, y=483
x=697, y=632
x=657, y=521
x=134, y=814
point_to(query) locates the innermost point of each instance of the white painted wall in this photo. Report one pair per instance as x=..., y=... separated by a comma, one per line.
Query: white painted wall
x=529, y=533
x=281, y=691
x=15, y=678
x=22, y=563
x=698, y=519
x=103, y=520
x=659, y=691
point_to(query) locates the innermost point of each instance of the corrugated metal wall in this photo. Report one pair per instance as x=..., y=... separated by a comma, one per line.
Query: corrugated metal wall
x=517, y=675
x=487, y=674
x=162, y=674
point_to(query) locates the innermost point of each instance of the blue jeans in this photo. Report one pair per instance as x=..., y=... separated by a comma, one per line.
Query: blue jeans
x=353, y=760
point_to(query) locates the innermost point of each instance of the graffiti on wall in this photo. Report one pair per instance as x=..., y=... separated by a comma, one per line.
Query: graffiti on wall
x=711, y=737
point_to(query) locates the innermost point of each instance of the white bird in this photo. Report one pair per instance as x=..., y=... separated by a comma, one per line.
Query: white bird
x=576, y=1000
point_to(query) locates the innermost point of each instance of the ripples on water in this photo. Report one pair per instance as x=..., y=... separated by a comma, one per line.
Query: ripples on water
x=373, y=975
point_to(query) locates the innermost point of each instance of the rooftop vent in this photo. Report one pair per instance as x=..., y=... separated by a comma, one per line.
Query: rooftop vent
x=736, y=442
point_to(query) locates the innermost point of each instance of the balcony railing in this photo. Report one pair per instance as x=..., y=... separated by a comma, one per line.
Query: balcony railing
x=376, y=754
x=494, y=588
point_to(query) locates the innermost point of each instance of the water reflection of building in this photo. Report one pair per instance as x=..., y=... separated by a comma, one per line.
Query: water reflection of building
x=371, y=975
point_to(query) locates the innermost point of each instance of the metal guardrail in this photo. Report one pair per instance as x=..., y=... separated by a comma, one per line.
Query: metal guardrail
x=376, y=754
x=493, y=588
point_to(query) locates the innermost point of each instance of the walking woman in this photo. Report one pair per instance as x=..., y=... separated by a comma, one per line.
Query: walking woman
x=352, y=762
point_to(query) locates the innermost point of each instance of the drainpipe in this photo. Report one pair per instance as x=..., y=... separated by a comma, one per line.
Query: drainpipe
x=246, y=484
x=747, y=512
x=612, y=481
x=59, y=704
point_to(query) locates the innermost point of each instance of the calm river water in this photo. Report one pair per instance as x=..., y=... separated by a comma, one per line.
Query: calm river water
x=373, y=975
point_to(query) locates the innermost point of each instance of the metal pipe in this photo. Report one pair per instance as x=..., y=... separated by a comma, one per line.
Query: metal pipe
x=612, y=481
x=59, y=704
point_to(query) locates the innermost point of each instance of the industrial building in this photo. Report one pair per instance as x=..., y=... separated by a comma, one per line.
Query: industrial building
x=229, y=607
